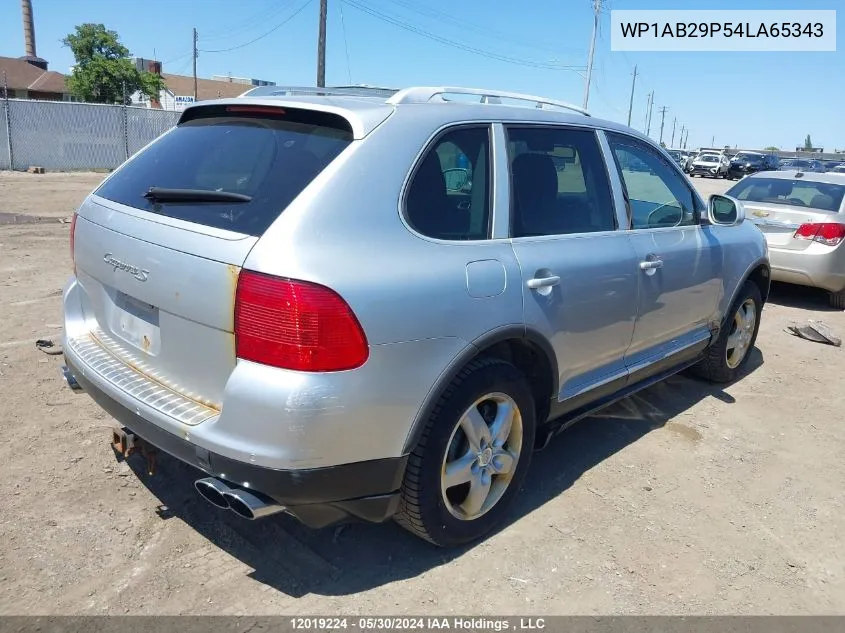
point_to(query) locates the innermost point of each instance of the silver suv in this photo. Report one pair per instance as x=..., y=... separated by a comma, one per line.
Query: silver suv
x=357, y=307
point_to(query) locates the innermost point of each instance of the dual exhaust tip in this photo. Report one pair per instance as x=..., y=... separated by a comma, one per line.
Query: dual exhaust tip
x=244, y=503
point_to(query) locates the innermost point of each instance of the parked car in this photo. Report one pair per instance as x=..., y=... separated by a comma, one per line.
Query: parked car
x=745, y=163
x=793, y=164
x=833, y=165
x=707, y=164
x=838, y=170
x=677, y=155
x=338, y=342
x=802, y=216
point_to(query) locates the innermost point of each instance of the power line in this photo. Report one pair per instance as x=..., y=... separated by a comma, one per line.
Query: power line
x=448, y=42
x=345, y=43
x=263, y=35
x=176, y=59
x=442, y=16
x=260, y=19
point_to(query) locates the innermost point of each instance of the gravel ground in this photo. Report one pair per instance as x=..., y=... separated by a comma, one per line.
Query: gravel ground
x=683, y=499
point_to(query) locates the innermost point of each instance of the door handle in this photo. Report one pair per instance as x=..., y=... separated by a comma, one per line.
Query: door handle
x=543, y=282
x=651, y=265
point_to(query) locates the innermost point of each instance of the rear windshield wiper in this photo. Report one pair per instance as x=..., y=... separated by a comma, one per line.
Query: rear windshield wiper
x=163, y=194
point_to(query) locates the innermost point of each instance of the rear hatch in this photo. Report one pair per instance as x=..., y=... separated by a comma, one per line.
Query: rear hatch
x=159, y=246
x=780, y=207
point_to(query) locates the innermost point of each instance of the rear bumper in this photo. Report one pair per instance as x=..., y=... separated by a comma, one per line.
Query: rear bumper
x=818, y=266
x=318, y=497
x=738, y=172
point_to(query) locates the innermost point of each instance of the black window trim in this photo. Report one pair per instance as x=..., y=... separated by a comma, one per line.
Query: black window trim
x=506, y=125
x=699, y=204
x=429, y=146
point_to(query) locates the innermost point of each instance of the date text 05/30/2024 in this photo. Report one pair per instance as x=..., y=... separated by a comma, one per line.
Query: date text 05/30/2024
x=416, y=624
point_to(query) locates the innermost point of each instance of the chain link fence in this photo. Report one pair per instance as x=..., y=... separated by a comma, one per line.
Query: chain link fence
x=66, y=136
x=5, y=158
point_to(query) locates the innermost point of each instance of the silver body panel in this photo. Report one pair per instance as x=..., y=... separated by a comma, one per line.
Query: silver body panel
x=422, y=302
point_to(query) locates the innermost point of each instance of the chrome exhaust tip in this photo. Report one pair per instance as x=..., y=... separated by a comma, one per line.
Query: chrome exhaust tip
x=250, y=505
x=213, y=490
x=70, y=379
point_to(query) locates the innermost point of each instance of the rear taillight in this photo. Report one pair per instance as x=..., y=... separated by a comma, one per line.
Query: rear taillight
x=296, y=325
x=827, y=233
x=72, y=237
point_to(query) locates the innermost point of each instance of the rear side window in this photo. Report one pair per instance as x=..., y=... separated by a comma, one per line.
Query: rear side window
x=449, y=194
x=266, y=155
x=798, y=193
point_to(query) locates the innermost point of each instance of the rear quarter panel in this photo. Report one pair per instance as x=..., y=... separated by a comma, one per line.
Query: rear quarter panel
x=410, y=294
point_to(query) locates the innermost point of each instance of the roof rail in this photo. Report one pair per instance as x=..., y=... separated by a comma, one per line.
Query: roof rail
x=337, y=91
x=427, y=94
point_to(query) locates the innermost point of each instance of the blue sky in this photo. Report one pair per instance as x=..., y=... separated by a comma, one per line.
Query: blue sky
x=744, y=99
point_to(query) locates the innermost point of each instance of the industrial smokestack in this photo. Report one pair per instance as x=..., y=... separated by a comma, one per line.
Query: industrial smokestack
x=28, y=28
x=29, y=36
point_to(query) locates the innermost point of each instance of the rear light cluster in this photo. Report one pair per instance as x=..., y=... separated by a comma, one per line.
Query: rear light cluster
x=296, y=325
x=828, y=233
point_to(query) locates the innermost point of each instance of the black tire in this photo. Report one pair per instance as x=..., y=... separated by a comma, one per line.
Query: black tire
x=715, y=367
x=422, y=508
x=837, y=300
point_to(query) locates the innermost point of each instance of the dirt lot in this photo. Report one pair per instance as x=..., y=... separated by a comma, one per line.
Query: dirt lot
x=684, y=499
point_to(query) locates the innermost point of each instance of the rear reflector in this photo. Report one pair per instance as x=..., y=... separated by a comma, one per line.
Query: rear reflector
x=827, y=233
x=296, y=325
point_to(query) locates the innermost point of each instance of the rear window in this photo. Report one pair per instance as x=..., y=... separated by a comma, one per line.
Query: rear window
x=799, y=193
x=266, y=153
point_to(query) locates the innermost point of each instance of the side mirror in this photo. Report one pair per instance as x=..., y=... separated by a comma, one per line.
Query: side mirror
x=725, y=210
x=456, y=178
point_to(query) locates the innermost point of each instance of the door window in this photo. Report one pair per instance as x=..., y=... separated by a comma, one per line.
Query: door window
x=559, y=182
x=658, y=196
x=449, y=194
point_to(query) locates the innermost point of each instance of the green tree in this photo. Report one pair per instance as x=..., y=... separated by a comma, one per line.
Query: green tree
x=808, y=143
x=772, y=148
x=104, y=73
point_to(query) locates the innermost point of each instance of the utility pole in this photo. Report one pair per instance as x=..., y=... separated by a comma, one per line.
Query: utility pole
x=662, y=121
x=674, y=123
x=631, y=102
x=648, y=113
x=321, y=46
x=713, y=141
x=596, y=14
x=196, y=98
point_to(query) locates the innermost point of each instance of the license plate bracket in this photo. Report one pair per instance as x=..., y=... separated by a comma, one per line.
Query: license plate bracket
x=137, y=323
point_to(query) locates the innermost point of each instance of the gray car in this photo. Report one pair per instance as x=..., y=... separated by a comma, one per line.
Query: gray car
x=802, y=215
x=287, y=293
